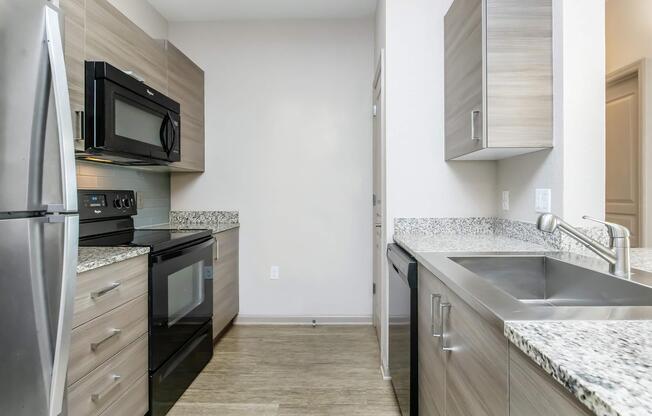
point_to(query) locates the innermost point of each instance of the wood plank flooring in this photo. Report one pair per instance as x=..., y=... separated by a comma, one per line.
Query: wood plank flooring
x=292, y=371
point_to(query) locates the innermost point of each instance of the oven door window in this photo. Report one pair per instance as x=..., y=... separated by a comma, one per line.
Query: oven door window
x=136, y=123
x=185, y=291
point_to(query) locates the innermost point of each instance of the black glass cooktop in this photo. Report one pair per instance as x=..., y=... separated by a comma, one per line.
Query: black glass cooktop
x=155, y=239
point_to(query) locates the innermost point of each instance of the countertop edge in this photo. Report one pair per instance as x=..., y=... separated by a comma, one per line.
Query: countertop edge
x=561, y=375
x=105, y=256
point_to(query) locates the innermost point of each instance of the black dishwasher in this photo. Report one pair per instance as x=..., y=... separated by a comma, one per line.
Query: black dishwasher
x=403, y=359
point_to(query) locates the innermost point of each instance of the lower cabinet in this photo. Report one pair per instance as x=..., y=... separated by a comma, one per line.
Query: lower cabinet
x=468, y=367
x=226, y=289
x=432, y=360
x=463, y=368
x=477, y=367
x=535, y=393
x=107, y=369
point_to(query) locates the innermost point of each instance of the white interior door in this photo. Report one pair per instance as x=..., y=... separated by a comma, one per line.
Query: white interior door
x=623, y=155
x=378, y=197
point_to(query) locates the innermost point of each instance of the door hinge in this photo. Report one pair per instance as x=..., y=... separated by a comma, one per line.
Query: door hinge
x=373, y=289
x=375, y=110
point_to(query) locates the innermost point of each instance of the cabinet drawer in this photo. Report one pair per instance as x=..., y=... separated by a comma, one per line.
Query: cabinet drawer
x=103, y=289
x=135, y=401
x=94, y=393
x=98, y=340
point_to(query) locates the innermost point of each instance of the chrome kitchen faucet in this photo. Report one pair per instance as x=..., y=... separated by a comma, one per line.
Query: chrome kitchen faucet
x=617, y=254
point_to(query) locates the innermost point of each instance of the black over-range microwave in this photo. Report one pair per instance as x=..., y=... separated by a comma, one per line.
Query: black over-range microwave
x=127, y=122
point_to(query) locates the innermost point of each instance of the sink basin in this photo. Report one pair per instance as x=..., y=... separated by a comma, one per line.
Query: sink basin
x=547, y=281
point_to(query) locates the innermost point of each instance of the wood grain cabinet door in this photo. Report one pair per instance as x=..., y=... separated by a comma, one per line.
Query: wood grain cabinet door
x=112, y=37
x=463, y=78
x=432, y=369
x=186, y=85
x=535, y=393
x=476, y=363
x=226, y=294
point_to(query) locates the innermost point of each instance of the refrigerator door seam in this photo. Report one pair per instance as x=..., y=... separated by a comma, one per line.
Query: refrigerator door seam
x=64, y=115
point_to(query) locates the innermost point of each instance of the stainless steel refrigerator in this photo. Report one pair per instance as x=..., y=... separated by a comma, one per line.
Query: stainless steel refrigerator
x=38, y=205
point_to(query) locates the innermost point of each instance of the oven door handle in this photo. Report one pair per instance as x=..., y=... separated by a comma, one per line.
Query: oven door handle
x=178, y=253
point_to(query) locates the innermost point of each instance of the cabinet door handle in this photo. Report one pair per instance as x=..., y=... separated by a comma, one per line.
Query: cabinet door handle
x=114, y=333
x=434, y=298
x=115, y=382
x=475, y=116
x=105, y=290
x=444, y=307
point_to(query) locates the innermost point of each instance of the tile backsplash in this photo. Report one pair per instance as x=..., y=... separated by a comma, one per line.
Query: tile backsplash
x=153, y=188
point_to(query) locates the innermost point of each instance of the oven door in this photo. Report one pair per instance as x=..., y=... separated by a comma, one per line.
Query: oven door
x=128, y=124
x=181, y=297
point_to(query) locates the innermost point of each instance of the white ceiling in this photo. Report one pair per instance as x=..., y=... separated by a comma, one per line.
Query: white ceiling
x=209, y=10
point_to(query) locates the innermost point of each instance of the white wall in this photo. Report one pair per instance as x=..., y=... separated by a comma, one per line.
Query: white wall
x=144, y=15
x=584, y=109
x=420, y=183
x=575, y=168
x=288, y=144
x=629, y=32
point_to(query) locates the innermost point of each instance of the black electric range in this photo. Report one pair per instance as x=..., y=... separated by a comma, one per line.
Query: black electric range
x=180, y=289
x=156, y=239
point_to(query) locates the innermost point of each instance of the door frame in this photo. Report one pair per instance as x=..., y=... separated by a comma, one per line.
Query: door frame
x=381, y=298
x=640, y=69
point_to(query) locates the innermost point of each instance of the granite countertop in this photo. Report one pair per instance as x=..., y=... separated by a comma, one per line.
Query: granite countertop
x=214, y=227
x=480, y=243
x=607, y=365
x=90, y=258
x=641, y=258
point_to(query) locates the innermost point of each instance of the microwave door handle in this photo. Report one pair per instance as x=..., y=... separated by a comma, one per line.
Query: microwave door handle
x=174, y=135
x=163, y=133
x=63, y=114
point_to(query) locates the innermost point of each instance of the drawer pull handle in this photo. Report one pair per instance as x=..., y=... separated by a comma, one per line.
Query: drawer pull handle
x=114, y=333
x=105, y=290
x=444, y=307
x=115, y=382
x=435, y=299
x=475, y=117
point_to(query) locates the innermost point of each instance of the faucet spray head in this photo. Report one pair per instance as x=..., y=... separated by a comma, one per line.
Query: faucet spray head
x=547, y=222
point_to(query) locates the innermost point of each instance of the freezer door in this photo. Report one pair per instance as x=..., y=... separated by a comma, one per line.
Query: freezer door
x=37, y=166
x=37, y=282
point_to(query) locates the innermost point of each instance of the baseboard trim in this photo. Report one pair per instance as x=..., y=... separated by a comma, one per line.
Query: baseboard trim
x=302, y=320
x=385, y=373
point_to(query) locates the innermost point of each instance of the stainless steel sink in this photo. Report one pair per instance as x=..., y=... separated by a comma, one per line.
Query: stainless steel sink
x=546, y=281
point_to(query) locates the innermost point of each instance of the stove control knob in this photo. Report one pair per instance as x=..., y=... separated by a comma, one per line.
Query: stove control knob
x=126, y=203
x=117, y=203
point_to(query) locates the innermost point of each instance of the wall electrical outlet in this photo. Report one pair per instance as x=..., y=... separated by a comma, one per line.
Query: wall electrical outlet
x=274, y=273
x=505, y=200
x=543, y=200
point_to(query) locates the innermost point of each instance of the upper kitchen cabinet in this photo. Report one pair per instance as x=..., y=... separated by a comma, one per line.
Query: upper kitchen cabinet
x=498, y=78
x=186, y=85
x=94, y=30
x=112, y=37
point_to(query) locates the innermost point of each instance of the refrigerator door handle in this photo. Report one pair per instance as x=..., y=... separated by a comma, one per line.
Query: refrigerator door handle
x=66, y=310
x=64, y=114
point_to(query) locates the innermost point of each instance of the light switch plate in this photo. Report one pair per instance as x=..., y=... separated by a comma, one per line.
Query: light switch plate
x=543, y=200
x=505, y=200
x=274, y=273
x=139, y=200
